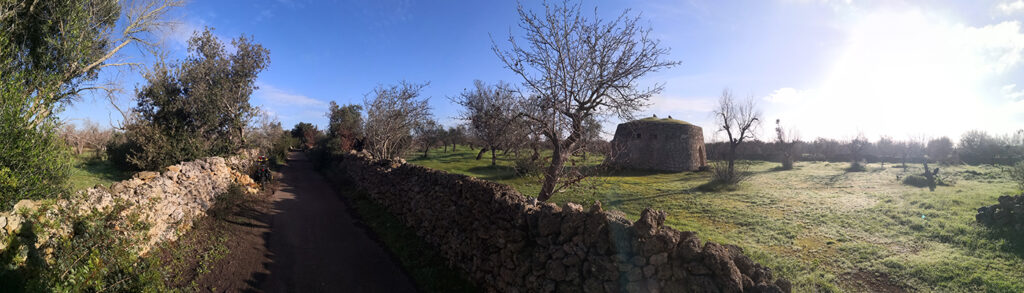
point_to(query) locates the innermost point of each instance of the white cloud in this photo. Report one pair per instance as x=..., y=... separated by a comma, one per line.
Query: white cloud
x=899, y=72
x=276, y=97
x=669, y=104
x=788, y=95
x=1012, y=95
x=1011, y=7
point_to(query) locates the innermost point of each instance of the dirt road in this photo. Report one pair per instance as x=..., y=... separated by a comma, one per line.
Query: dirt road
x=308, y=242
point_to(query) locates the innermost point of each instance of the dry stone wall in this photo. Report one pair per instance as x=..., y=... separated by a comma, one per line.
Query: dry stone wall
x=508, y=242
x=1007, y=214
x=166, y=203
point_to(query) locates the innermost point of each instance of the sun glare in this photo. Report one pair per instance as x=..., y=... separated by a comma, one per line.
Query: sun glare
x=908, y=73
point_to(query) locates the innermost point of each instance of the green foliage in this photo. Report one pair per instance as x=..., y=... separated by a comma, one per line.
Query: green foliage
x=916, y=180
x=46, y=48
x=1016, y=173
x=33, y=159
x=346, y=127
x=200, y=108
x=306, y=134
x=97, y=257
x=279, y=150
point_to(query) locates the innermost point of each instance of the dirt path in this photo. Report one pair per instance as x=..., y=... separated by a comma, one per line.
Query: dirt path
x=305, y=241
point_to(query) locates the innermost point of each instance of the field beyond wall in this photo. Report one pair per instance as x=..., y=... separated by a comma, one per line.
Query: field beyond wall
x=823, y=228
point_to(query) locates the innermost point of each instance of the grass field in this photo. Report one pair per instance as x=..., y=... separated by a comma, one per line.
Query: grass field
x=87, y=172
x=822, y=227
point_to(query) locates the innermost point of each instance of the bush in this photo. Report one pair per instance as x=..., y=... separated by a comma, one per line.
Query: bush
x=1016, y=173
x=857, y=166
x=97, y=257
x=916, y=180
x=526, y=166
x=34, y=161
x=720, y=175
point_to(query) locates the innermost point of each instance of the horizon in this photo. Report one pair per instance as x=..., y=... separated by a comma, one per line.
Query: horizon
x=830, y=69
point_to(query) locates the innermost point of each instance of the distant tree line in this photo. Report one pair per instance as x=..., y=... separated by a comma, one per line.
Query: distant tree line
x=974, y=147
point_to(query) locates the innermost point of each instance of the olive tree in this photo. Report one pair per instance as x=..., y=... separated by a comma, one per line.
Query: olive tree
x=576, y=67
x=51, y=52
x=391, y=114
x=199, y=107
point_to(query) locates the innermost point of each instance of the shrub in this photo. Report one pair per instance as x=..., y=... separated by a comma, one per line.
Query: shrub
x=720, y=173
x=1016, y=173
x=916, y=180
x=857, y=166
x=527, y=166
x=34, y=161
x=96, y=258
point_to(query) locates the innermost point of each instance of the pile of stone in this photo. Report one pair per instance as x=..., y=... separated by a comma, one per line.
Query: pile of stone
x=166, y=203
x=508, y=242
x=1007, y=214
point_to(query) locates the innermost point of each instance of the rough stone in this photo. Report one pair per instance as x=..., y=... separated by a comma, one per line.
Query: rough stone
x=658, y=144
x=511, y=242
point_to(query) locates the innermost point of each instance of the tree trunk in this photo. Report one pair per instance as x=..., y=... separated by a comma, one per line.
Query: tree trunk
x=425, y=152
x=481, y=153
x=732, y=161
x=446, y=148
x=551, y=175
x=494, y=159
x=453, y=147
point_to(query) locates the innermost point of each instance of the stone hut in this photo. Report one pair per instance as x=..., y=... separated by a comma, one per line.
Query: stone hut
x=659, y=144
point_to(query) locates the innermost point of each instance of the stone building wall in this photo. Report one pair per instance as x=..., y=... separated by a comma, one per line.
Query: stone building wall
x=659, y=146
x=508, y=242
x=166, y=203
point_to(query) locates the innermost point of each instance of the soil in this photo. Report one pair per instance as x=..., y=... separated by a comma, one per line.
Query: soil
x=300, y=239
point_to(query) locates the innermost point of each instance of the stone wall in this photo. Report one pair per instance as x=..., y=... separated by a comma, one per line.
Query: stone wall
x=508, y=242
x=658, y=145
x=1007, y=214
x=165, y=203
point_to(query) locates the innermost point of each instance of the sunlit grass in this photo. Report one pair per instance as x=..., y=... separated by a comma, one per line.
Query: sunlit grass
x=818, y=225
x=87, y=172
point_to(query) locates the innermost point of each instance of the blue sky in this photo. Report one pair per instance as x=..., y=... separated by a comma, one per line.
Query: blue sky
x=826, y=68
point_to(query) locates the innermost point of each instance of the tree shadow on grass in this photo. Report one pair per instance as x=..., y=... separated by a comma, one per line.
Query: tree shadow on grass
x=104, y=169
x=494, y=172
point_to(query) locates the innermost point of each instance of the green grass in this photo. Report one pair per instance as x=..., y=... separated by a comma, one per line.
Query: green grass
x=818, y=225
x=87, y=172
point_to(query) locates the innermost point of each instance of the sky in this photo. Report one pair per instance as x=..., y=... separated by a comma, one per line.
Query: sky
x=834, y=69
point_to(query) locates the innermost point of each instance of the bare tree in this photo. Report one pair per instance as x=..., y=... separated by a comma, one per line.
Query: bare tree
x=391, y=114
x=428, y=134
x=577, y=67
x=739, y=121
x=786, y=143
x=858, y=146
x=492, y=113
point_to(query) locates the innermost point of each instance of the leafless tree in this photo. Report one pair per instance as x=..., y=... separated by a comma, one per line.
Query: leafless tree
x=786, y=143
x=739, y=121
x=391, y=114
x=492, y=114
x=89, y=137
x=428, y=134
x=577, y=67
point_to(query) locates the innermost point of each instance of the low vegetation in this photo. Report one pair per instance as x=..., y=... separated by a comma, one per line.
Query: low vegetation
x=822, y=227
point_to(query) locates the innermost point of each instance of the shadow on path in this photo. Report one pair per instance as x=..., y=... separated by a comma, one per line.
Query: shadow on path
x=314, y=245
